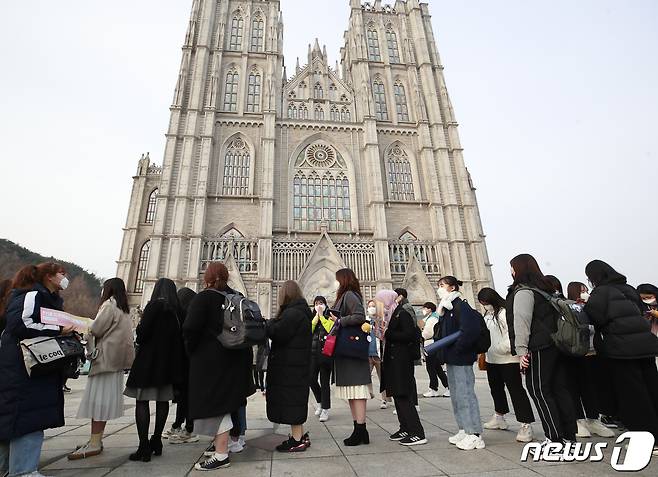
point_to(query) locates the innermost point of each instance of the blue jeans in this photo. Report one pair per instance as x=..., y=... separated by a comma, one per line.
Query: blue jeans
x=21, y=455
x=461, y=382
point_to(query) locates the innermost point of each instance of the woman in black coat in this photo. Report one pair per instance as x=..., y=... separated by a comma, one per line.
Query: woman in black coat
x=157, y=366
x=28, y=405
x=220, y=378
x=624, y=336
x=288, y=368
x=398, y=369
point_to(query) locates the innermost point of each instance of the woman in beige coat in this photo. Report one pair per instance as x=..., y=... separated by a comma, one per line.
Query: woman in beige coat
x=111, y=352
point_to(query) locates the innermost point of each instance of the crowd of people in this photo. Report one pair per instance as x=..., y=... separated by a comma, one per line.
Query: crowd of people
x=176, y=355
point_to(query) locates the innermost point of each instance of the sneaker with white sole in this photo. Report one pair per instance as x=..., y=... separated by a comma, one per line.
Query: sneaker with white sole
x=413, y=441
x=235, y=447
x=524, y=434
x=384, y=404
x=583, y=430
x=471, y=442
x=496, y=422
x=324, y=415
x=398, y=436
x=213, y=463
x=596, y=427
x=174, y=431
x=655, y=451
x=184, y=438
x=431, y=393
x=446, y=393
x=318, y=409
x=457, y=437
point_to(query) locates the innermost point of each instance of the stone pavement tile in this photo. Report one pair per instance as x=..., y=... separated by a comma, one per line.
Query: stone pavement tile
x=85, y=430
x=592, y=469
x=100, y=472
x=512, y=452
x=505, y=473
x=57, y=431
x=151, y=469
x=378, y=445
x=64, y=443
x=393, y=463
x=109, y=458
x=340, y=432
x=320, y=467
x=319, y=448
x=173, y=454
x=239, y=469
x=455, y=461
x=252, y=454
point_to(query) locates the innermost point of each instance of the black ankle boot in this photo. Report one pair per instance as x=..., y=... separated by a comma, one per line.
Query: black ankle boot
x=143, y=453
x=359, y=436
x=156, y=445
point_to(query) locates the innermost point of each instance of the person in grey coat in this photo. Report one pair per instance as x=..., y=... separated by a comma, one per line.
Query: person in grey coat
x=352, y=375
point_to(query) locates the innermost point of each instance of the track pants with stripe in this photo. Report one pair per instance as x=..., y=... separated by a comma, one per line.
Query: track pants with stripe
x=548, y=385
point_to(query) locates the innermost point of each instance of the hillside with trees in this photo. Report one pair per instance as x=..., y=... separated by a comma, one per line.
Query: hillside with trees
x=80, y=298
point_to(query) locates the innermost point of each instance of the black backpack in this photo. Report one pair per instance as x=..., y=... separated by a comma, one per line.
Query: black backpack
x=483, y=343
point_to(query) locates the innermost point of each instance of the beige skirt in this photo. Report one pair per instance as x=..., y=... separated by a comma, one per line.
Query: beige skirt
x=353, y=392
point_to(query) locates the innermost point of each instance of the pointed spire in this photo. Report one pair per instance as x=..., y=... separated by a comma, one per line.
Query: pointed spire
x=324, y=52
x=310, y=54
x=297, y=68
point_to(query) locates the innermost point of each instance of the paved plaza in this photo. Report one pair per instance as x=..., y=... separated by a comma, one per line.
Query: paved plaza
x=327, y=456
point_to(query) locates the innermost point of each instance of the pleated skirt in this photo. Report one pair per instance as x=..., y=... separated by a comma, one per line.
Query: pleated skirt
x=353, y=392
x=103, y=397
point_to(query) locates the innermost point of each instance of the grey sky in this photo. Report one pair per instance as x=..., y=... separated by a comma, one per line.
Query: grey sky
x=557, y=104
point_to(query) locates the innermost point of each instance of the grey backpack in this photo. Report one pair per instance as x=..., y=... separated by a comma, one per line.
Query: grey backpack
x=244, y=325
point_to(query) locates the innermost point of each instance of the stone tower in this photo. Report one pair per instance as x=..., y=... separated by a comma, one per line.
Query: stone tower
x=279, y=177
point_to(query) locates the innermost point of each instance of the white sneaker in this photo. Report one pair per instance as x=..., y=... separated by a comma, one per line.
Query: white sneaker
x=384, y=404
x=431, y=393
x=395, y=413
x=457, y=437
x=583, y=431
x=496, y=422
x=318, y=409
x=324, y=415
x=524, y=434
x=417, y=408
x=470, y=442
x=184, y=438
x=174, y=431
x=234, y=447
x=446, y=394
x=242, y=441
x=596, y=427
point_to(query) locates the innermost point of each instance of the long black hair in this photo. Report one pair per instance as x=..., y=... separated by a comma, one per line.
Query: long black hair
x=557, y=284
x=165, y=289
x=600, y=273
x=114, y=287
x=491, y=297
x=451, y=282
x=185, y=296
x=527, y=272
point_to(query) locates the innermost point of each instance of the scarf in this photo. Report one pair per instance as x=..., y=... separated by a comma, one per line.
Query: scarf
x=446, y=303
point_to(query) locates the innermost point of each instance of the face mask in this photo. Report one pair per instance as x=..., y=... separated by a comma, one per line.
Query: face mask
x=584, y=296
x=650, y=301
x=372, y=311
x=337, y=284
x=64, y=284
x=319, y=309
x=489, y=308
x=425, y=312
x=443, y=293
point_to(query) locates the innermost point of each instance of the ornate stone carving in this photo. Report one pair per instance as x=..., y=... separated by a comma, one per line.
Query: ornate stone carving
x=417, y=284
x=319, y=275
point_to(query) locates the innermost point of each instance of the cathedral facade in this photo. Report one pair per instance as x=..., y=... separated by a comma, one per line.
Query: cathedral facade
x=291, y=175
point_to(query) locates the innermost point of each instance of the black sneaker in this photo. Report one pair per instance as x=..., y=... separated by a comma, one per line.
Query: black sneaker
x=609, y=422
x=306, y=439
x=398, y=436
x=291, y=445
x=210, y=451
x=413, y=441
x=213, y=464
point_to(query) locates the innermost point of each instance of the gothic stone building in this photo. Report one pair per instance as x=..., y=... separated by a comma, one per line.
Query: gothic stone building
x=294, y=176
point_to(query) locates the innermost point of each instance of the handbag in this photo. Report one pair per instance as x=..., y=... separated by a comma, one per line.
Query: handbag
x=352, y=342
x=47, y=355
x=482, y=362
x=329, y=347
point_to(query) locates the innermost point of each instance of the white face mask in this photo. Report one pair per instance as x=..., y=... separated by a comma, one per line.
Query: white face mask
x=337, y=284
x=489, y=308
x=443, y=293
x=425, y=312
x=651, y=301
x=64, y=284
x=319, y=309
x=372, y=311
x=584, y=296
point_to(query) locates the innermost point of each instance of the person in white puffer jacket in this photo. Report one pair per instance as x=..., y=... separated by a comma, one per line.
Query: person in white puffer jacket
x=503, y=369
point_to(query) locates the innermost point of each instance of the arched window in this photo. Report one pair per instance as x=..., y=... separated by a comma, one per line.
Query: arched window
x=392, y=43
x=401, y=102
x=237, y=25
x=318, y=92
x=321, y=190
x=141, y=266
x=237, y=169
x=257, y=33
x=334, y=115
x=345, y=115
x=231, y=91
x=343, y=98
x=253, y=93
x=373, y=45
x=319, y=113
x=381, y=110
x=303, y=112
x=150, y=207
x=400, y=179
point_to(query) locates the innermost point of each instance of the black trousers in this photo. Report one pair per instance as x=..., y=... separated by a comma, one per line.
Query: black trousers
x=547, y=383
x=183, y=412
x=259, y=378
x=605, y=389
x=435, y=372
x=582, y=384
x=636, y=388
x=321, y=390
x=408, y=416
x=502, y=375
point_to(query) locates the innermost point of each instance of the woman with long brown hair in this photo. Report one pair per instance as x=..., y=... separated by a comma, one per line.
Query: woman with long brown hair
x=531, y=320
x=288, y=371
x=352, y=374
